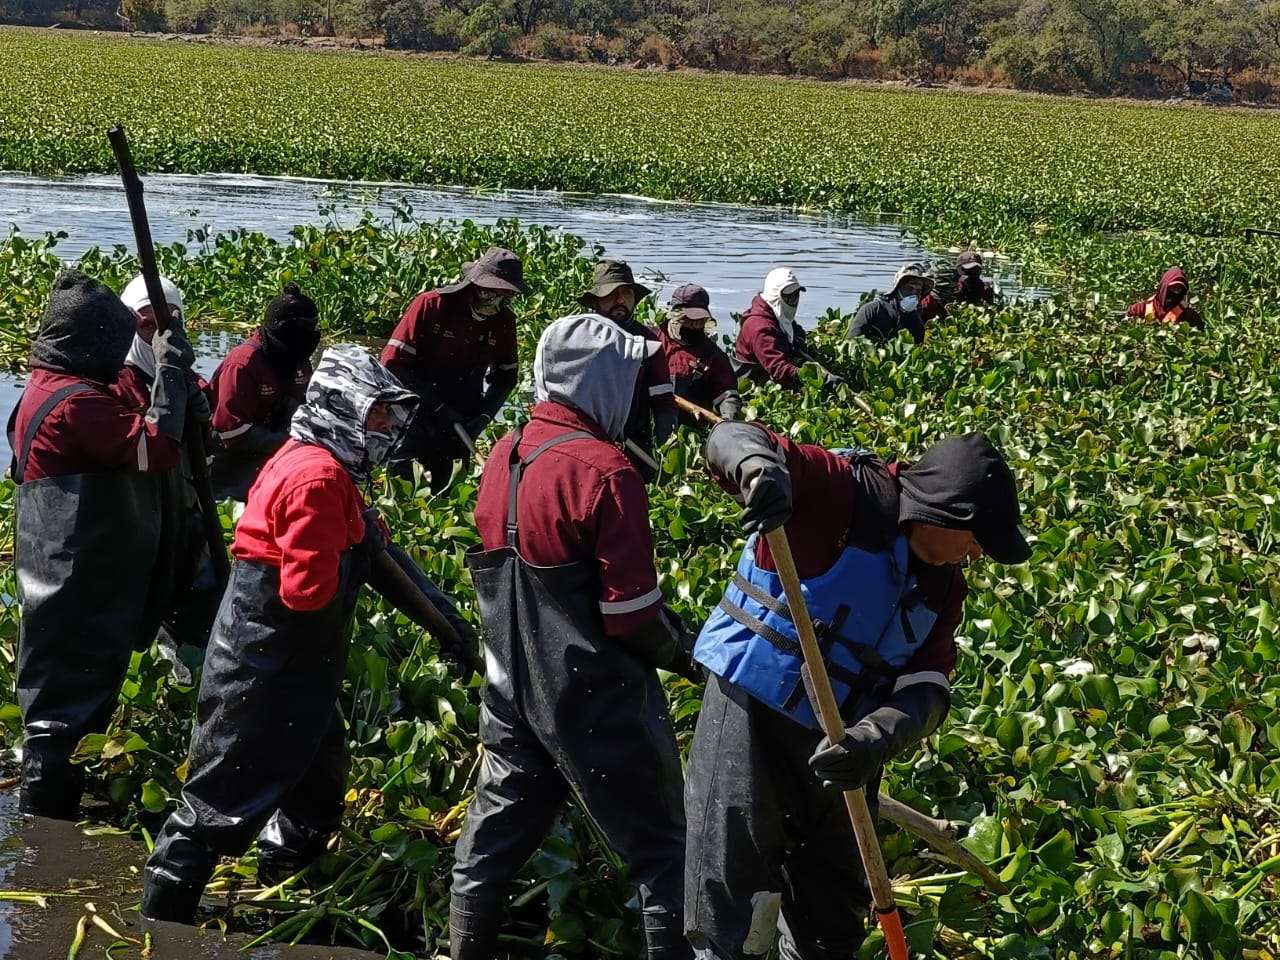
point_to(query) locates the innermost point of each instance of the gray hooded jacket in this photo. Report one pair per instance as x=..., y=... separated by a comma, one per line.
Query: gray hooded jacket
x=590, y=363
x=346, y=384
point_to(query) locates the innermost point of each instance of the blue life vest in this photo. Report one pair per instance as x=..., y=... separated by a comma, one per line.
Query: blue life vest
x=867, y=612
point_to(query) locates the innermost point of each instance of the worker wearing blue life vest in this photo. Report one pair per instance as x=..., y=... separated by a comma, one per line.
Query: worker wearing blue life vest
x=770, y=848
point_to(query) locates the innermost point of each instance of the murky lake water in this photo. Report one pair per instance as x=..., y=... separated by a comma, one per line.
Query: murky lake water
x=726, y=248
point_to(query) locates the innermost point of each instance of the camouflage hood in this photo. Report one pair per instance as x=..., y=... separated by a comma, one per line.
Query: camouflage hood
x=346, y=384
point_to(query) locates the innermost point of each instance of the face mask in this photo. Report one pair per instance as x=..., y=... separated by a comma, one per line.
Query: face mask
x=487, y=304
x=377, y=446
x=908, y=304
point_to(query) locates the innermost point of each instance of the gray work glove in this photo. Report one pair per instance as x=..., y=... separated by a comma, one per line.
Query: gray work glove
x=168, y=410
x=909, y=716
x=731, y=405
x=830, y=381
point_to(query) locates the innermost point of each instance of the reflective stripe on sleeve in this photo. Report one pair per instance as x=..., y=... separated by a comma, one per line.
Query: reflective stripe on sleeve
x=924, y=676
x=508, y=366
x=661, y=389
x=233, y=433
x=142, y=453
x=617, y=607
x=401, y=345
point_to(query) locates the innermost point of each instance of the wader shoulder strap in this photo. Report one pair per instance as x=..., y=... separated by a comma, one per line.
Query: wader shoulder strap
x=516, y=466
x=19, y=466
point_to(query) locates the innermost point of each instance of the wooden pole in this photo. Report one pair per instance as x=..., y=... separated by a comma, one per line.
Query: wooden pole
x=193, y=432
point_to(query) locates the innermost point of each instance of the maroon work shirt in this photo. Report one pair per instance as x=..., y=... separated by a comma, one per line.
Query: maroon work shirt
x=823, y=488
x=92, y=431
x=580, y=501
x=705, y=364
x=761, y=341
x=247, y=390
x=440, y=343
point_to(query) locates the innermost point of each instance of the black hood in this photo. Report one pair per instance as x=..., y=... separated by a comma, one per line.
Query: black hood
x=85, y=331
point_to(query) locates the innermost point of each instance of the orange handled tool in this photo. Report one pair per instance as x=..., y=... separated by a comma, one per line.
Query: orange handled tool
x=833, y=725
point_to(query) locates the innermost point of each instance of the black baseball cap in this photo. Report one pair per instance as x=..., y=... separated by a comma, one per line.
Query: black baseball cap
x=964, y=483
x=692, y=301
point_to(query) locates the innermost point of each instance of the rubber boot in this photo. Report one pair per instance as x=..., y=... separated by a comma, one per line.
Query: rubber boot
x=174, y=902
x=664, y=937
x=51, y=785
x=474, y=923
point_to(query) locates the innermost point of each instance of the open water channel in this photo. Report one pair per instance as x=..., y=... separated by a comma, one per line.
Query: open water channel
x=726, y=248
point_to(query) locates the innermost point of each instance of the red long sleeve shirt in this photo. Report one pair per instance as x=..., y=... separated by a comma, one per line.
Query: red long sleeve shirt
x=303, y=513
x=580, y=501
x=88, y=432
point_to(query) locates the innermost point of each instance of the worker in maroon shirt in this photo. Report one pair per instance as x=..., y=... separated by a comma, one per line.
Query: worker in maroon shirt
x=1168, y=304
x=456, y=348
x=575, y=628
x=879, y=548
x=89, y=526
x=700, y=371
x=256, y=389
x=970, y=287
x=268, y=756
x=771, y=345
x=195, y=589
x=614, y=294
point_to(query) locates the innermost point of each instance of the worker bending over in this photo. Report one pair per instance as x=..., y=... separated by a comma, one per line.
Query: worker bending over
x=1169, y=303
x=256, y=389
x=268, y=755
x=878, y=547
x=456, y=348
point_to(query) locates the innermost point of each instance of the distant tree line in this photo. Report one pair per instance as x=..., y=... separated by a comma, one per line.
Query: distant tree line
x=1142, y=47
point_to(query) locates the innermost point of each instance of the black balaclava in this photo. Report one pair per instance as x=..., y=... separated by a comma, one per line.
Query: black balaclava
x=291, y=329
x=963, y=483
x=86, y=330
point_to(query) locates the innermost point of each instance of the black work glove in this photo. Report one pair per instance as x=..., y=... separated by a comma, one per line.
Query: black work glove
x=197, y=402
x=909, y=716
x=665, y=420
x=743, y=455
x=766, y=495
x=171, y=348
x=854, y=761
x=474, y=426
x=682, y=662
x=374, y=541
x=168, y=410
x=463, y=660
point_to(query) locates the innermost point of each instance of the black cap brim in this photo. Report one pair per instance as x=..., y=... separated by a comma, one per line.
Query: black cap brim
x=1004, y=545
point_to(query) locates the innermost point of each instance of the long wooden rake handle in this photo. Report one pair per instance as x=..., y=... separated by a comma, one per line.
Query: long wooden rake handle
x=864, y=828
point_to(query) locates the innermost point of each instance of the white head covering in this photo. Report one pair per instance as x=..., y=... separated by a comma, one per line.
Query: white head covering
x=781, y=280
x=135, y=297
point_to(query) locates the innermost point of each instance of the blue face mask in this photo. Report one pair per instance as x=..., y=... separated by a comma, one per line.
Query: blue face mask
x=908, y=304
